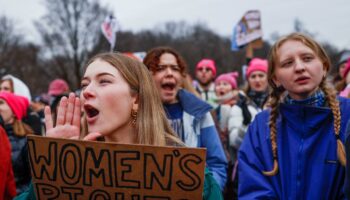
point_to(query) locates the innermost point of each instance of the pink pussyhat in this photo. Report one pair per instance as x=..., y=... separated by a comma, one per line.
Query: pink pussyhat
x=347, y=68
x=257, y=64
x=209, y=63
x=228, y=77
x=58, y=87
x=18, y=104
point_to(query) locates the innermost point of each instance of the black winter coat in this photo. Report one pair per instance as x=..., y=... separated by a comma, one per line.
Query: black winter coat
x=20, y=161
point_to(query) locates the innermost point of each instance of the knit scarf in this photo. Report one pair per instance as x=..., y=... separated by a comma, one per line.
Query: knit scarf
x=259, y=98
x=229, y=98
x=317, y=99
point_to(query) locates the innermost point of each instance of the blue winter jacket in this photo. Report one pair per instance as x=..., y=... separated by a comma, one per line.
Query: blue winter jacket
x=347, y=146
x=306, y=150
x=200, y=131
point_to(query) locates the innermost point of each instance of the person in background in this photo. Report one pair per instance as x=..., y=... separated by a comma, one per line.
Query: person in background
x=226, y=90
x=14, y=85
x=295, y=149
x=7, y=179
x=58, y=88
x=189, y=116
x=241, y=114
x=205, y=75
x=346, y=77
x=38, y=104
x=12, y=110
x=227, y=96
x=257, y=88
x=232, y=117
x=338, y=79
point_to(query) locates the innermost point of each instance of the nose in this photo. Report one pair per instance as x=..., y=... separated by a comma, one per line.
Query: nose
x=88, y=91
x=169, y=71
x=299, y=65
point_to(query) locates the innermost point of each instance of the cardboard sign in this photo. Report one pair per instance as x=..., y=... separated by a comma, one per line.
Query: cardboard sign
x=247, y=30
x=73, y=169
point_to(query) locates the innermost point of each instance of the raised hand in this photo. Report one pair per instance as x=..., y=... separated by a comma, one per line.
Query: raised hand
x=67, y=119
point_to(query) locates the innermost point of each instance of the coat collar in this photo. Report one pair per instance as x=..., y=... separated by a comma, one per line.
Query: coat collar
x=192, y=104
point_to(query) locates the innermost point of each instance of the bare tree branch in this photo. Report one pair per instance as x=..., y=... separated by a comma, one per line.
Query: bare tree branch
x=69, y=30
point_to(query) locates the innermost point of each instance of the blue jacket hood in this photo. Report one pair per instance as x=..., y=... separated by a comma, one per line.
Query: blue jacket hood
x=192, y=104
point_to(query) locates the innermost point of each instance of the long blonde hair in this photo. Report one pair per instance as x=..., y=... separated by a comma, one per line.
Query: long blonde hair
x=21, y=129
x=276, y=93
x=152, y=126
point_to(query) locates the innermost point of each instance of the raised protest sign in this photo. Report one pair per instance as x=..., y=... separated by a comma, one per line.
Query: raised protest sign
x=109, y=28
x=247, y=30
x=73, y=169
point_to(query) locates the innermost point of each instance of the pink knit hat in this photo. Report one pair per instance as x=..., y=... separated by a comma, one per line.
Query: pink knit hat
x=58, y=87
x=209, y=63
x=228, y=77
x=347, y=68
x=18, y=104
x=257, y=64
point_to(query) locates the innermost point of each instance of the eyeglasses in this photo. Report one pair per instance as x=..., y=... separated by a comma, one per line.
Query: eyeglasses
x=205, y=69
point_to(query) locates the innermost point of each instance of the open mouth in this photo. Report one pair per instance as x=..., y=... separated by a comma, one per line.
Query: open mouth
x=168, y=86
x=302, y=79
x=91, y=111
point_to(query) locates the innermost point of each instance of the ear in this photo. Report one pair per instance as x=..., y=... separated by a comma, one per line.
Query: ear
x=276, y=81
x=135, y=102
x=325, y=73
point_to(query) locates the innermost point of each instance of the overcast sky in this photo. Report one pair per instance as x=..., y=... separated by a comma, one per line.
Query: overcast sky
x=330, y=19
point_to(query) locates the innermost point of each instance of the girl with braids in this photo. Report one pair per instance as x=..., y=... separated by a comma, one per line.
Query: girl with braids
x=295, y=150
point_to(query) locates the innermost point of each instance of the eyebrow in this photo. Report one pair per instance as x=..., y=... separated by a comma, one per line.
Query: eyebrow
x=301, y=54
x=308, y=53
x=99, y=75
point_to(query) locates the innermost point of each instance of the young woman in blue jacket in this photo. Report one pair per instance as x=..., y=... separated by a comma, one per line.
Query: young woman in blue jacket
x=295, y=149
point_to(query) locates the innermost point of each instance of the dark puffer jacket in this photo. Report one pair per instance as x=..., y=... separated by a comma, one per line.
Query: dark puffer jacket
x=20, y=162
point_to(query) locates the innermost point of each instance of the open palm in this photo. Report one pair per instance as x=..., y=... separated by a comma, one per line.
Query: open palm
x=67, y=119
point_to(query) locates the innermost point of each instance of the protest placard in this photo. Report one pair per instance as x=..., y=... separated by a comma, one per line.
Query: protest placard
x=73, y=169
x=247, y=30
x=109, y=29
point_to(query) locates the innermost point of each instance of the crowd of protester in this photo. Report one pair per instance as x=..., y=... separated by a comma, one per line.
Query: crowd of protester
x=282, y=134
